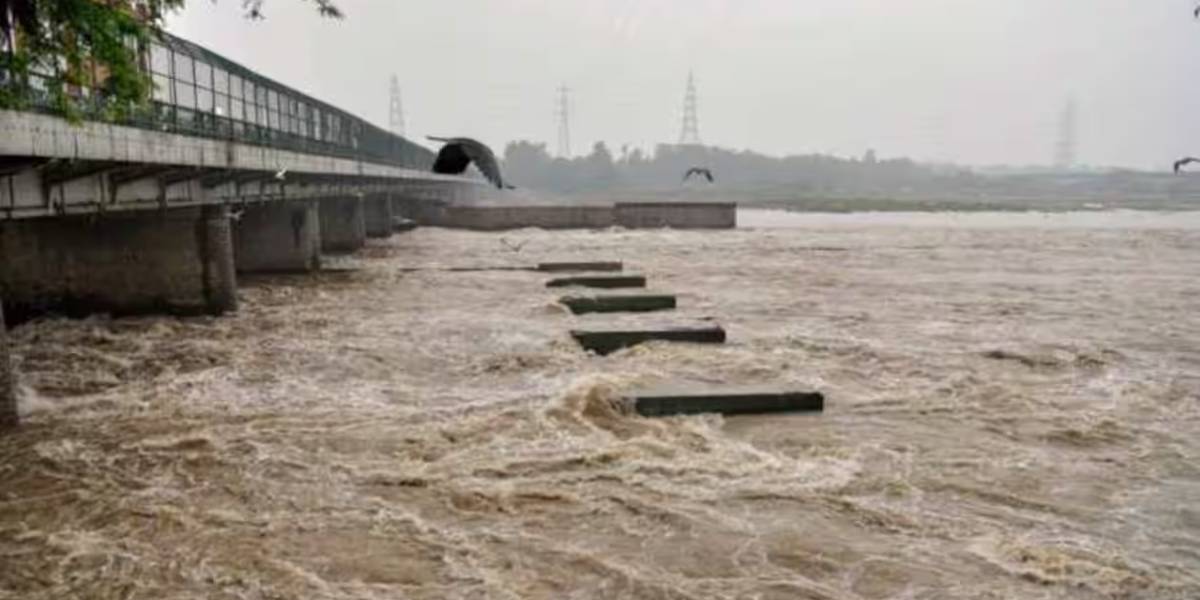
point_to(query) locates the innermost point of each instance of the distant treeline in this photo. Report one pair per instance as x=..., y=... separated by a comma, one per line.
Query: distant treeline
x=531, y=165
x=778, y=179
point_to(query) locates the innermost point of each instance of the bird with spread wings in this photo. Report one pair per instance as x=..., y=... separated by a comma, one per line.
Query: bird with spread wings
x=459, y=152
x=706, y=173
x=1179, y=164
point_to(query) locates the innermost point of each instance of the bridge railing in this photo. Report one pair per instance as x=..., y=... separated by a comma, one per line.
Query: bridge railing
x=198, y=92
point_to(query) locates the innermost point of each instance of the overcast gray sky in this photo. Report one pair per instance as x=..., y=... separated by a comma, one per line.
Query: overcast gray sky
x=968, y=81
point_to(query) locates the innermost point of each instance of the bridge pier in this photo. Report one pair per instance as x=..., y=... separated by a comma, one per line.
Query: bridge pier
x=379, y=215
x=176, y=260
x=424, y=211
x=343, y=224
x=8, y=392
x=278, y=237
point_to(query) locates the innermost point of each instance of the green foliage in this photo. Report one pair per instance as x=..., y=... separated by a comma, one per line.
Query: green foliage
x=326, y=8
x=79, y=58
x=84, y=58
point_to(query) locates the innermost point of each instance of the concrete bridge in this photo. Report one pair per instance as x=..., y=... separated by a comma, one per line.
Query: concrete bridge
x=225, y=172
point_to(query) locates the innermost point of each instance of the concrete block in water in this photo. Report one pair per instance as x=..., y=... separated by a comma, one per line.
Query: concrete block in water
x=278, y=237
x=567, y=267
x=343, y=224
x=581, y=305
x=600, y=281
x=377, y=215
x=679, y=215
x=607, y=342
x=177, y=260
x=729, y=401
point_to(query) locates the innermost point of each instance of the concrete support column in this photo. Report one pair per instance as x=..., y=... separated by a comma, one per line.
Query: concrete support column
x=219, y=275
x=404, y=206
x=8, y=392
x=178, y=261
x=379, y=215
x=424, y=211
x=343, y=224
x=278, y=237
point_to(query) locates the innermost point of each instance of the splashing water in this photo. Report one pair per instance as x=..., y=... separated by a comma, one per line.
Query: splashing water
x=1013, y=412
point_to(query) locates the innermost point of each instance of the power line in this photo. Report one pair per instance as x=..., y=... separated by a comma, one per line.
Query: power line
x=396, y=109
x=690, y=132
x=562, y=111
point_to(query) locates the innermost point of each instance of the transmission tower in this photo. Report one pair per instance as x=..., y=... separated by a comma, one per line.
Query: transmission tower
x=562, y=110
x=1064, y=149
x=396, y=109
x=690, y=133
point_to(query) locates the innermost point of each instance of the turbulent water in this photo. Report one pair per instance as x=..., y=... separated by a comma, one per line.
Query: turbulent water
x=1013, y=411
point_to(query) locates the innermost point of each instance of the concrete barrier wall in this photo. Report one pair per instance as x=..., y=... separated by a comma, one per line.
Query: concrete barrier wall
x=180, y=260
x=278, y=237
x=343, y=224
x=677, y=215
x=641, y=215
x=494, y=218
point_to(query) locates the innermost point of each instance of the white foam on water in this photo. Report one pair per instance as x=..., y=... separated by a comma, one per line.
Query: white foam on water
x=1011, y=405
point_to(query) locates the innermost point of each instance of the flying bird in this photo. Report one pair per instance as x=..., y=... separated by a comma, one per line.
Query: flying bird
x=698, y=171
x=514, y=246
x=1179, y=164
x=281, y=174
x=459, y=152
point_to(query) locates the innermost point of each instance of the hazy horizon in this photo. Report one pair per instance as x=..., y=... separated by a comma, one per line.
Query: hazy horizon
x=972, y=83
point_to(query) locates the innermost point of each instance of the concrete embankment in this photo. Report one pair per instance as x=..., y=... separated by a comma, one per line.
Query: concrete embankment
x=631, y=215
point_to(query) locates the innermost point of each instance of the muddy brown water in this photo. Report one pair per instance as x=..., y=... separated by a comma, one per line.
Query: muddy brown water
x=1013, y=412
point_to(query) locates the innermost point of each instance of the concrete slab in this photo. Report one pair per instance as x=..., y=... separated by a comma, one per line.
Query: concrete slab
x=724, y=400
x=600, y=281
x=278, y=237
x=582, y=305
x=568, y=267
x=377, y=215
x=343, y=224
x=608, y=341
x=177, y=261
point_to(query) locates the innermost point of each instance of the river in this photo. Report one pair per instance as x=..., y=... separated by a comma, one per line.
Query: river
x=1013, y=411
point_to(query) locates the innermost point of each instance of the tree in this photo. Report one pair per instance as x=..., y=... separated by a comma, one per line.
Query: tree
x=85, y=55
x=598, y=166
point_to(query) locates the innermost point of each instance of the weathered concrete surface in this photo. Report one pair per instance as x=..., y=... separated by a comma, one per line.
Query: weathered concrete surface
x=414, y=207
x=378, y=215
x=729, y=401
x=567, y=267
x=607, y=342
x=218, y=273
x=8, y=392
x=278, y=237
x=38, y=135
x=582, y=305
x=677, y=215
x=634, y=215
x=402, y=224
x=343, y=224
x=101, y=149
x=496, y=218
x=178, y=261
x=600, y=281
